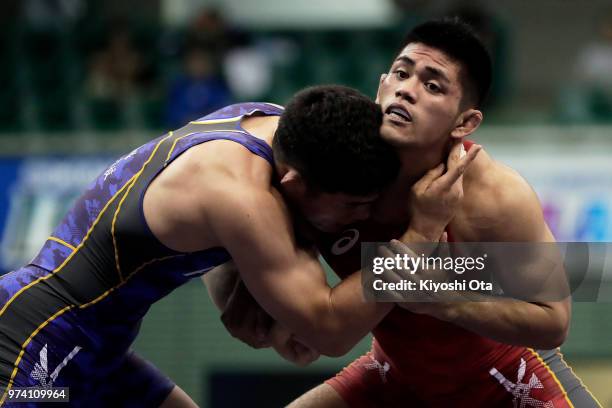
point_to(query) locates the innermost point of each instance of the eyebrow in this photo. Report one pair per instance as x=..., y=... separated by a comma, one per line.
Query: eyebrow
x=435, y=72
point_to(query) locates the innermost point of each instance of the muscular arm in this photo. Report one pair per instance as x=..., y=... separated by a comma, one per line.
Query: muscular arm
x=542, y=326
x=201, y=202
x=289, y=282
x=237, y=306
x=231, y=298
x=508, y=212
x=286, y=280
x=435, y=199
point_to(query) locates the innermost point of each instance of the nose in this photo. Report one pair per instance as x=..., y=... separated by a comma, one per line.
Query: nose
x=406, y=89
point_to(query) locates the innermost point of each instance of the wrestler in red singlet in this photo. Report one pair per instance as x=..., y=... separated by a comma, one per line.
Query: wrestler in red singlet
x=417, y=360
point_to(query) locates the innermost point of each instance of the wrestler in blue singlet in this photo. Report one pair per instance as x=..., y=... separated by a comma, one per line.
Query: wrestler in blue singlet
x=69, y=317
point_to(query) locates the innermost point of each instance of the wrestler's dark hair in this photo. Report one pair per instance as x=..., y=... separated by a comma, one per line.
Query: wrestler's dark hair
x=331, y=135
x=458, y=41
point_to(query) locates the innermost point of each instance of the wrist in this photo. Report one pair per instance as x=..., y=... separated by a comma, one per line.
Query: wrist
x=418, y=234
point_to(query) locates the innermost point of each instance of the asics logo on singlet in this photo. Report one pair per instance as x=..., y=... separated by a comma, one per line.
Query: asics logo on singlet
x=41, y=372
x=520, y=391
x=382, y=368
x=345, y=243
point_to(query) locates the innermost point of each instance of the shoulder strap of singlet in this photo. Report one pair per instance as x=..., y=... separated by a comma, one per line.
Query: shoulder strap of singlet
x=132, y=221
x=238, y=110
x=225, y=124
x=195, y=134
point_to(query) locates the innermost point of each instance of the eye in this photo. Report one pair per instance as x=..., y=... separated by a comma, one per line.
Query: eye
x=433, y=87
x=401, y=74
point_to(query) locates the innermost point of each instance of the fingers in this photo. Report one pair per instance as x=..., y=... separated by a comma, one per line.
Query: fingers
x=443, y=246
x=304, y=354
x=457, y=164
x=455, y=154
x=238, y=331
x=400, y=248
x=391, y=274
x=429, y=177
x=291, y=349
x=471, y=155
x=398, y=272
x=385, y=252
x=245, y=320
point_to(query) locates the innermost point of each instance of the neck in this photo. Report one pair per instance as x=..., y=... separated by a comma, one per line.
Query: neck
x=414, y=163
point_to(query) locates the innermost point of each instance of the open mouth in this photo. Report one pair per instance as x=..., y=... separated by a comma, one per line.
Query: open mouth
x=398, y=113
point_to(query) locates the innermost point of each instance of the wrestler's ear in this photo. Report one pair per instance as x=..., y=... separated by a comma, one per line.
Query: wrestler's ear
x=382, y=78
x=467, y=123
x=292, y=181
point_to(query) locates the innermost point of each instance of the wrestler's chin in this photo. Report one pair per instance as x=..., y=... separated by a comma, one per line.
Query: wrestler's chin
x=397, y=136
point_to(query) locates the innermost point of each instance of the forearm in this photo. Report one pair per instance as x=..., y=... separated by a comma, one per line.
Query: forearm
x=511, y=321
x=347, y=318
x=344, y=326
x=330, y=320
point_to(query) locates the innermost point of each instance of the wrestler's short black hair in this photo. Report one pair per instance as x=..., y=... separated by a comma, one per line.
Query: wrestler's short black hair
x=458, y=41
x=331, y=135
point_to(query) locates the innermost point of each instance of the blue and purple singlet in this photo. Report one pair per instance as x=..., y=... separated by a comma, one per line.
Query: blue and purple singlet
x=68, y=318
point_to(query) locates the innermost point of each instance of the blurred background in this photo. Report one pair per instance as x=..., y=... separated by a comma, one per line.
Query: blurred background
x=84, y=81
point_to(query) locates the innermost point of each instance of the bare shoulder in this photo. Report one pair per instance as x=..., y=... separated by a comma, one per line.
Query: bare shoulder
x=496, y=185
x=214, y=177
x=216, y=161
x=498, y=201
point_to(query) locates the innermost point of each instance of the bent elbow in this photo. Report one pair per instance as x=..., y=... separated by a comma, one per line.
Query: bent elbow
x=562, y=329
x=553, y=342
x=561, y=334
x=556, y=336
